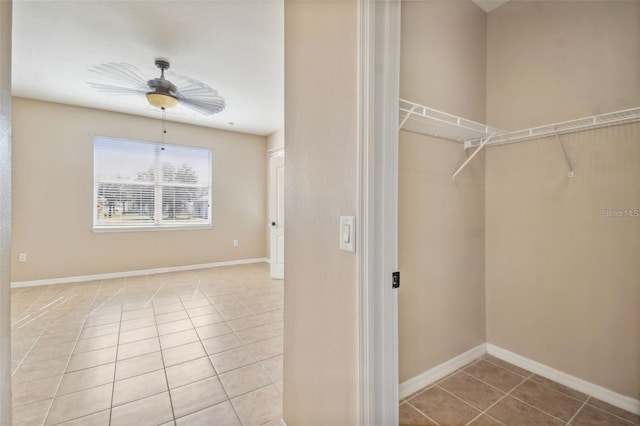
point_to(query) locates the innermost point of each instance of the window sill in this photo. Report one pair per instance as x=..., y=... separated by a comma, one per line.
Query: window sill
x=189, y=227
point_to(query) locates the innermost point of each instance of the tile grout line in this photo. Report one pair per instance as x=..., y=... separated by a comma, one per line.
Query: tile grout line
x=115, y=364
x=55, y=395
x=630, y=422
x=578, y=410
x=37, y=339
x=585, y=402
x=243, y=345
x=164, y=365
x=506, y=394
x=421, y=412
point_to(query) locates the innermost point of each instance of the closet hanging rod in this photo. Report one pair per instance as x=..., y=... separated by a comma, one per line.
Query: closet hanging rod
x=578, y=125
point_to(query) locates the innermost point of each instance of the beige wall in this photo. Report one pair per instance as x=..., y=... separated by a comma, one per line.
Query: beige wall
x=441, y=222
x=563, y=281
x=53, y=189
x=320, y=337
x=550, y=61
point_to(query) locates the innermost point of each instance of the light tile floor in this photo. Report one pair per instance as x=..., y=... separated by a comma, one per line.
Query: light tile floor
x=490, y=392
x=200, y=347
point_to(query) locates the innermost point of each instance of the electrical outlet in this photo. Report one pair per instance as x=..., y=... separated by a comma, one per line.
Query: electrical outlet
x=22, y=257
x=235, y=243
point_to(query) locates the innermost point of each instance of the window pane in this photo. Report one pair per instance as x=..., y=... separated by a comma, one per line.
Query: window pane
x=120, y=204
x=185, y=204
x=123, y=160
x=185, y=165
x=128, y=192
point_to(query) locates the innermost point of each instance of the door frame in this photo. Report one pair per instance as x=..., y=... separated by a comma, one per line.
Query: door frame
x=5, y=211
x=378, y=97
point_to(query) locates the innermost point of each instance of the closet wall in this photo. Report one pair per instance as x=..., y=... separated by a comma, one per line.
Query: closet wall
x=441, y=222
x=562, y=278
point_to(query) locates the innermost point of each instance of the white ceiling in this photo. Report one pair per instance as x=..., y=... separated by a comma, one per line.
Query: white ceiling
x=235, y=46
x=489, y=5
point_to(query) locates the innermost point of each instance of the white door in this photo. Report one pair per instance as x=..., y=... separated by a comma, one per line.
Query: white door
x=276, y=215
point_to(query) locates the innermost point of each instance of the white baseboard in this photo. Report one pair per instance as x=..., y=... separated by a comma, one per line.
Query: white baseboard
x=124, y=274
x=282, y=422
x=439, y=371
x=596, y=391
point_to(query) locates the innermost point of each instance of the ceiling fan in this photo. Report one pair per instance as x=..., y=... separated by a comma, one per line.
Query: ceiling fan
x=160, y=92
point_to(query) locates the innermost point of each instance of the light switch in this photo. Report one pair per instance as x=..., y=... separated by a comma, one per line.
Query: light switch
x=347, y=233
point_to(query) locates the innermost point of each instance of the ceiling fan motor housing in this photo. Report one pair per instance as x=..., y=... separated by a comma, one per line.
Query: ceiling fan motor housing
x=163, y=94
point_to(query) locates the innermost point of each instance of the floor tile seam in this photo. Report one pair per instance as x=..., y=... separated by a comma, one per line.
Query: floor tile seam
x=82, y=389
x=505, y=394
x=86, y=415
x=222, y=384
x=493, y=386
x=460, y=398
x=558, y=390
x=38, y=339
x=483, y=414
x=13, y=373
x=203, y=409
x=189, y=360
x=201, y=345
x=35, y=401
x=136, y=399
x=578, y=411
x=269, y=421
x=421, y=391
x=273, y=380
x=164, y=367
x=69, y=360
x=243, y=366
x=424, y=414
x=539, y=409
x=508, y=369
x=609, y=412
x=115, y=366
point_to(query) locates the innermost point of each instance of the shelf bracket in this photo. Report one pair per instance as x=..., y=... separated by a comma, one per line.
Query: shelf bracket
x=406, y=117
x=463, y=165
x=566, y=157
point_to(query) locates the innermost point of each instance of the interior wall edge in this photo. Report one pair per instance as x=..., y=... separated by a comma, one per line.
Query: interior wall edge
x=591, y=389
x=125, y=274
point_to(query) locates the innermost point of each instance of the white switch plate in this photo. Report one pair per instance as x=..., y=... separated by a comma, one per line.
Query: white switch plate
x=348, y=233
x=22, y=257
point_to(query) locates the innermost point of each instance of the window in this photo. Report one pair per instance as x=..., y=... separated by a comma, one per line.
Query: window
x=148, y=185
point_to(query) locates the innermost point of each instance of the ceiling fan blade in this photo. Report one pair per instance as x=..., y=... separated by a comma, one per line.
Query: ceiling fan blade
x=197, y=95
x=206, y=106
x=122, y=73
x=116, y=90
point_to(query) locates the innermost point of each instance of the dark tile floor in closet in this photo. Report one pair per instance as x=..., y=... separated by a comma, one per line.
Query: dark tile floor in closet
x=491, y=392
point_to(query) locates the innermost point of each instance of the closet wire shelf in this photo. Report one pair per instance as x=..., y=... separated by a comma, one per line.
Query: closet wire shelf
x=578, y=125
x=424, y=120
x=428, y=121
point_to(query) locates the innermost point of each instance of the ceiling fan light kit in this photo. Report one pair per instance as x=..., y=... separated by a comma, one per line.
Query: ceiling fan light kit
x=160, y=92
x=161, y=100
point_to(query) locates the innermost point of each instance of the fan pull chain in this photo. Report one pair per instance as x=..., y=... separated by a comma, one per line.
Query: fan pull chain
x=164, y=122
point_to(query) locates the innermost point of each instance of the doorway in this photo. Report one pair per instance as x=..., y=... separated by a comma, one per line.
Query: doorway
x=276, y=214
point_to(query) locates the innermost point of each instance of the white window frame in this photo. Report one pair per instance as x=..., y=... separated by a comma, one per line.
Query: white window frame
x=158, y=184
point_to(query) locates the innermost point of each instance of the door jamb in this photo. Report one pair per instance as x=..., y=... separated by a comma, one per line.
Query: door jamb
x=378, y=97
